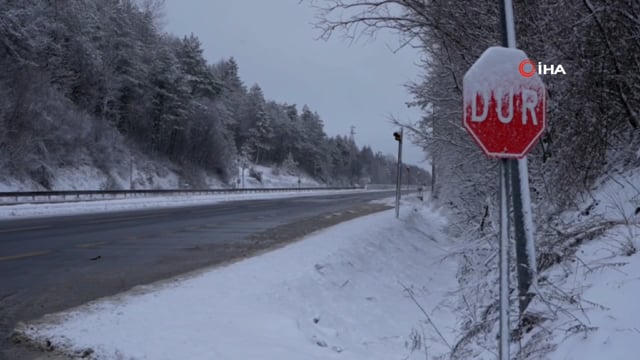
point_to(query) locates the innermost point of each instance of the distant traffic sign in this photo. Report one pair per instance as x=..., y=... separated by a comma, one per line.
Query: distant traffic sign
x=504, y=111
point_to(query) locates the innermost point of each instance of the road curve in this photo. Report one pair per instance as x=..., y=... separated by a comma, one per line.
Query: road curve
x=50, y=264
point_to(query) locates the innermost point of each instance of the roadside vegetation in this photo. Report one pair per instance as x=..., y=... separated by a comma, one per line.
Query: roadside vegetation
x=591, y=139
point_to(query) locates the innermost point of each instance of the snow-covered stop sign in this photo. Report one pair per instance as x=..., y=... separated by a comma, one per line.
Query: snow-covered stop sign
x=504, y=111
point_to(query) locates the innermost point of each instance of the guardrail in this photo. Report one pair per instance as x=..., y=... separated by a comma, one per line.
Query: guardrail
x=30, y=197
x=380, y=186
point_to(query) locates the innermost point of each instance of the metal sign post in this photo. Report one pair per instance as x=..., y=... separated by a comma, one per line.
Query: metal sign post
x=398, y=137
x=131, y=173
x=509, y=40
x=243, y=165
x=400, y=165
x=504, y=261
x=504, y=112
x=520, y=195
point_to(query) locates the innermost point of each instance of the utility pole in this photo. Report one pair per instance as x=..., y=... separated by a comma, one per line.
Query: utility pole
x=398, y=137
x=242, y=162
x=400, y=165
x=131, y=173
x=352, y=155
x=243, y=167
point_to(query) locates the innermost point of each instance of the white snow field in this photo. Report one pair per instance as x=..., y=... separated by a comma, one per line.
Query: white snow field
x=337, y=294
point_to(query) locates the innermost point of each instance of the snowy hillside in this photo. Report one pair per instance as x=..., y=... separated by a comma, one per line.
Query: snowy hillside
x=272, y=177
x=89, y=87
x=144, y=173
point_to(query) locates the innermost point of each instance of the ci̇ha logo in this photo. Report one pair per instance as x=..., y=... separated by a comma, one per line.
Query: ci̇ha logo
x=528, y=68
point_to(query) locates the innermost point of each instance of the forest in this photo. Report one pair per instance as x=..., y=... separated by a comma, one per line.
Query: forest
x=91, y=81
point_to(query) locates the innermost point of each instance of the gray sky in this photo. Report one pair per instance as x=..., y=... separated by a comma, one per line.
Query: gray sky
x=275, y=45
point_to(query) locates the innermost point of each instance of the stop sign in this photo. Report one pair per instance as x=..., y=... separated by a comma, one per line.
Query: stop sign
x=504, y=106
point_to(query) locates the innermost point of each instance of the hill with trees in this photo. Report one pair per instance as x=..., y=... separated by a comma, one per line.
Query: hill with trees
x=97, y=87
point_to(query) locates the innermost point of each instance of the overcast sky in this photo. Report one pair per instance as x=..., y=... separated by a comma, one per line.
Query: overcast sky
x=275, y=45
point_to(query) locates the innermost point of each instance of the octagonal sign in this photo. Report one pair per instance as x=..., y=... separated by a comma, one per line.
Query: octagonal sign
x=504, y=111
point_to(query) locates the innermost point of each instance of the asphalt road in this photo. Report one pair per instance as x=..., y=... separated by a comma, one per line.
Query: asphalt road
x=51, y=264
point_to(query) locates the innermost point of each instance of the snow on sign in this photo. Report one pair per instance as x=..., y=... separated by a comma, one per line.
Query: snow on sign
x=503, y=111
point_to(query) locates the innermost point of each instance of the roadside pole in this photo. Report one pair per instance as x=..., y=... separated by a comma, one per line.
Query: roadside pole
x=520, y=195
x=508, y=40
x=400, y=165
x=398, y=138
x=504, y=260
x=131, y=173
x=243, y=165
x=525, y=266
x=492, y=84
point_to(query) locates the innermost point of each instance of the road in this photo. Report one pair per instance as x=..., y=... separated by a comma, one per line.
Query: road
x=51, y=264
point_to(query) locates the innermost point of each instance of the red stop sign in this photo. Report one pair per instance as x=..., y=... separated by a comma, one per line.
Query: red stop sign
x=504, y=111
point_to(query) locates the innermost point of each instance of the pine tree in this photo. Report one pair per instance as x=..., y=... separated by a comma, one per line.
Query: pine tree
x=200, y=80
x=260, y=136
x=290, y=165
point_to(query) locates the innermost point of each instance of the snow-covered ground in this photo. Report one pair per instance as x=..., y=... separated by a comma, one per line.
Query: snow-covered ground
x=100, y=206
x=594, y=294
x=337, y=294
x=604, y=322
x=588, y=289
x=85, y=175
x=272, y=177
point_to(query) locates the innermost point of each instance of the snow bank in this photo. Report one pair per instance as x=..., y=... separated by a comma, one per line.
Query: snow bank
x=144, y=173
x=606, y=288
x=592, y=297
x=11, y=184
x=584, y=308
x=615, y=197
x=85, y=174
x=78, y=178
x=335, y=295
x=276, y=177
